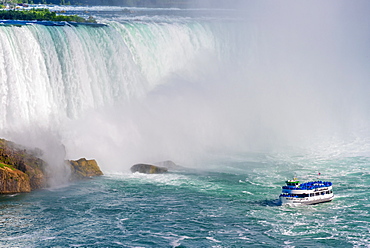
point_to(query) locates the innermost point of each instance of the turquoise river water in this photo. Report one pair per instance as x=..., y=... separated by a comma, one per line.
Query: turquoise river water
x=231, y=207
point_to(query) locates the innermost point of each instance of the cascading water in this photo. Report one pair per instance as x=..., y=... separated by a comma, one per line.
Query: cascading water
x=149, y=88
x=50, y=76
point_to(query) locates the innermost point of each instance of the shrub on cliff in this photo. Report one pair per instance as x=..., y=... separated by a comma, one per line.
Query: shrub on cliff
x=41, y=15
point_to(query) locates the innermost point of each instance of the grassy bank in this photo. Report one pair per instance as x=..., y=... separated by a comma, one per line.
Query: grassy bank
x=2, y=165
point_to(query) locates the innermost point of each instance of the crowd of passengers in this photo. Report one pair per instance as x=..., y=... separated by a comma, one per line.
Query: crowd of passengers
x=310, y=185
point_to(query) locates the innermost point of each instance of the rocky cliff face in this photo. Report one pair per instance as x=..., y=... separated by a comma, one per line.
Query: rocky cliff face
x=13, y=180
x=21, y=169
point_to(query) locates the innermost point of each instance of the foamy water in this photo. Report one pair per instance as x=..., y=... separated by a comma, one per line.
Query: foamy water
x=189, y=208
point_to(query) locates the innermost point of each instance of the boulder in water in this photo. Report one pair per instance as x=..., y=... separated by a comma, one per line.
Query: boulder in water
x=148, y=169
x=170, y=165
x=84, y=168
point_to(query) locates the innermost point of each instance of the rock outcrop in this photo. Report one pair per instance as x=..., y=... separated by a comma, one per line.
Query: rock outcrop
x=83, y=168
x=13, y=180
x=170, y=165
x=21, y=169
x=148, y=169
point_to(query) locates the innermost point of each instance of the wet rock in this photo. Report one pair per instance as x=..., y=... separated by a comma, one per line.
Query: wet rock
x=21, y=169
x=83, y=168
x=148, y=169
x=13, y=180
x=170, y=165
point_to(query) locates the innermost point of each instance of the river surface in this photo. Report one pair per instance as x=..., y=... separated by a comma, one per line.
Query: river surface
x=231, y=207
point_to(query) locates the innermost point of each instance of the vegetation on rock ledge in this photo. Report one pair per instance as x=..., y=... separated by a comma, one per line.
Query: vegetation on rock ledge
x=42, y=15
x=2, y=165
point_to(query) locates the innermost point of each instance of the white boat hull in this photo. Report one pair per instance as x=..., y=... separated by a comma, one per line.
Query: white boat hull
x=306, y=200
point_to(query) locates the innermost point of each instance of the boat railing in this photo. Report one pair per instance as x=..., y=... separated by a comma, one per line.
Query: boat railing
x=300, y=196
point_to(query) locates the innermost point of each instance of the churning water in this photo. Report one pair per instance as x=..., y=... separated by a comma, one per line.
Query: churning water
x=234, y=207
x=246, y=98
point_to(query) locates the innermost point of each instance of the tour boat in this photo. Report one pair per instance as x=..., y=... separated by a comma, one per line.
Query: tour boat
x=314, y=192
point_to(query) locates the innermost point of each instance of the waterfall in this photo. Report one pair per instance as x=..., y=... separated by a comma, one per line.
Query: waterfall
x=53, y=76
x=144, y=90
x=52, y=73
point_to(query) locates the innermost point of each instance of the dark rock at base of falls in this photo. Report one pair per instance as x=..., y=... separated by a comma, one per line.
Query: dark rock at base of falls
x=170, y=165
x=156, y=168
x=22, y=169
x=148, y=169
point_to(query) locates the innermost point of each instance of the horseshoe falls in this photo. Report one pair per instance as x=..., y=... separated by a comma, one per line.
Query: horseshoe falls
x=241, y=98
